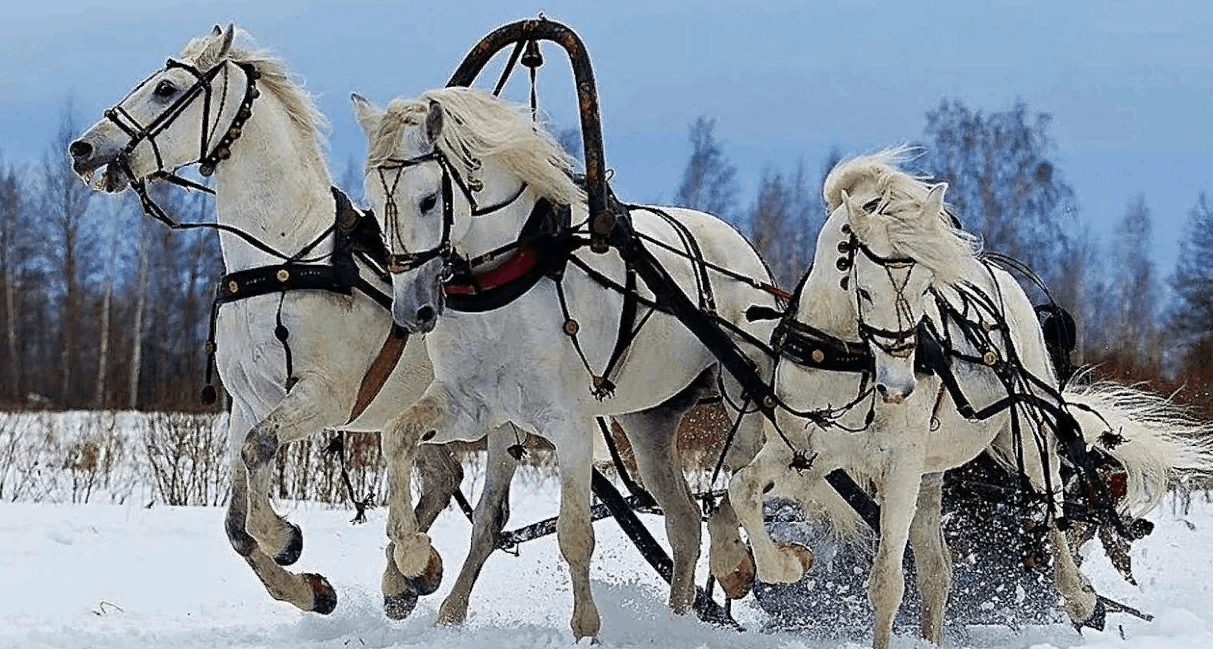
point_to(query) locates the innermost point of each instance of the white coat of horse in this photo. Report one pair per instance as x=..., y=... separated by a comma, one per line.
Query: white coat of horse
x=518, y=363
x=275, y=186
x=888, y=258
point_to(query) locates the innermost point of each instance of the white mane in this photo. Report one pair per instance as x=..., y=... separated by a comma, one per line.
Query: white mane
x=478, y=127
x=275, y=79
x=936, y=243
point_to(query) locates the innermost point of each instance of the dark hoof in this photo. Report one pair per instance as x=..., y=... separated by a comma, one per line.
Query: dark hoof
x=399, y=606
x=430, y=579
x=324, y=598
x=1098, y=619
x=294, y=547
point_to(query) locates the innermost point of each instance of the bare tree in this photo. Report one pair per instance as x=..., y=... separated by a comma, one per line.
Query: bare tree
x=1003, y=180
x=1136, y=287
x=140, y=306
x=10, y=213
x=66, y=204
x=1192, y=317
x=709, y=182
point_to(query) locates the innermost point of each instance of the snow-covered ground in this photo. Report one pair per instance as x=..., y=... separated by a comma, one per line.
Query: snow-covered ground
x=122, y=576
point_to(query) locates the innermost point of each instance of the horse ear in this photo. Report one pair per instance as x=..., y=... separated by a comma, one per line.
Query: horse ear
x=933, y=205
x=433, y=122
x=229, y=35
x=367, y=114
x=220, y=42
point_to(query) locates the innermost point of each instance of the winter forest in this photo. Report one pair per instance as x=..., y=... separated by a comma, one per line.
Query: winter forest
x=104, y=308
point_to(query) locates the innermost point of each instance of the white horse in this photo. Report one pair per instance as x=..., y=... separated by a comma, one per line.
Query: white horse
x=531, y=361
x=889, y=258
x=272, y=183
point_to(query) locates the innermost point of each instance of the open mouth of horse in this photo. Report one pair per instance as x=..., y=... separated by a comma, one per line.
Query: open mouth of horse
x=112, y=178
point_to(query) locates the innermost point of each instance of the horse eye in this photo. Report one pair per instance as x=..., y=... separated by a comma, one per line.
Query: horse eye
x=871, y=205
x=428, y=203
x=165, y=89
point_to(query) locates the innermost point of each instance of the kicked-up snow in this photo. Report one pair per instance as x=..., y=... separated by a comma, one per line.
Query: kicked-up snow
x=122, y=576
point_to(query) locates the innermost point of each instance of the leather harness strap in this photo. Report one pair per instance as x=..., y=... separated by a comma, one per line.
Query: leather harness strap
x=382, y=367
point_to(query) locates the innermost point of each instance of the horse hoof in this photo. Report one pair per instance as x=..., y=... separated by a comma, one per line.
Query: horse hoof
x=400, y=605
x=1096, y=620
x=430, y=579
x=294, y=547
x=324, y=598
x=737, y=584
x=802, y=554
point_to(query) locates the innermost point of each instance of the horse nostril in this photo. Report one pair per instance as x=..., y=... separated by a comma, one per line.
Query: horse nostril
x=80, y=149
x=425, y=314
x=882, y=389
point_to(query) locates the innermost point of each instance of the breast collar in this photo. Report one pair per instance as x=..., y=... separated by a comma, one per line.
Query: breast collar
x=542, y=247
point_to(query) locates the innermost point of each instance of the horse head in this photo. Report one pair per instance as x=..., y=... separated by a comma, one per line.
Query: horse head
x=187, y=112
x=900, y=243
x=453, y=172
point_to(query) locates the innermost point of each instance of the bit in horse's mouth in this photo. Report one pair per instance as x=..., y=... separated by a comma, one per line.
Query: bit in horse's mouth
x=112, y=179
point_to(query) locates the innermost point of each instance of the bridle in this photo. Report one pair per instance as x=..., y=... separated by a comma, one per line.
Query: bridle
x=902, y=341
x=208, y=157
x=400, y=260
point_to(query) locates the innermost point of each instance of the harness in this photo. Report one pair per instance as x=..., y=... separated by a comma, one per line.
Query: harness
x=355, y=238
x=977, y=321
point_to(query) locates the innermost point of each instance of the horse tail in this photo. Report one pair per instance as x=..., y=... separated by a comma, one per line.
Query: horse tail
x=1155, y=440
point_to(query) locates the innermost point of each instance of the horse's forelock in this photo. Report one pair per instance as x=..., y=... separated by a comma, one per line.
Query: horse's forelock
x=478, y=127
x=934, y=242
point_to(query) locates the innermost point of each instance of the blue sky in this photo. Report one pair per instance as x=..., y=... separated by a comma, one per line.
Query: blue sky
x=1129, y=84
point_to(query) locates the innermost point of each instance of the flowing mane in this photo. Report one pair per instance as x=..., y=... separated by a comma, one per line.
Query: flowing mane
x=478, y=127
x=946, y=250
x=275, y=79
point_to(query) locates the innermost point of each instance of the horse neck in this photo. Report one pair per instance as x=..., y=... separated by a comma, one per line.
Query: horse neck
x=275, y=187
x=824, y=304
x=491, y=231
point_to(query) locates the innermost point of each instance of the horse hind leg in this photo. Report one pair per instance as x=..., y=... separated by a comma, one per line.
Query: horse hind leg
x=653, y=435
x=492, y=512
x=931, y=557
x=440, y=474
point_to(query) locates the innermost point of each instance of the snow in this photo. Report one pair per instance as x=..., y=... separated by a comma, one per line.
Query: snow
x=102, y=576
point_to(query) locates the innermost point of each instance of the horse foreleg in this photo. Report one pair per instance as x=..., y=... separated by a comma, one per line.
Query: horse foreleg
x=414, y=567
x=653, y=435
x=746, y=491
x=309, y=592
x=887, y=583
x=492, y=512
x=931, y=557
x=575, y=531
x=310, y=406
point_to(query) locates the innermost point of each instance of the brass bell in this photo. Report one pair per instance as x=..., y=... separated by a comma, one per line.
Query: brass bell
x=989, y=358
x=254, y=93
x=571, y=327
x=234, y=132
x=223, y=153
x=768, y=402
x=206, y=169
x=985, y=326
x=818, y=356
